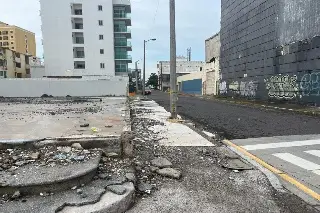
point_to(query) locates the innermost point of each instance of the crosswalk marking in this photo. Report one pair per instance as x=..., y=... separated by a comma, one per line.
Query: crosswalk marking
x=302, y=163
x=281, y=145
x=314, y=152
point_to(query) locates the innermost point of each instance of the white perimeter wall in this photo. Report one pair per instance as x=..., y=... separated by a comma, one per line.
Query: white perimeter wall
x=63, y=87
x=58, y=43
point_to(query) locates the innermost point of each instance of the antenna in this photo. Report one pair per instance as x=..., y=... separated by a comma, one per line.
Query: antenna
x=189, y=54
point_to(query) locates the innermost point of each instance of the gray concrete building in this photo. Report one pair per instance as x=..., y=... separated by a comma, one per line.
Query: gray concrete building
x=270, y=50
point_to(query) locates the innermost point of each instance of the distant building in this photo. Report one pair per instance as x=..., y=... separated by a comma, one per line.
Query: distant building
x=17, y=39
x=14, y=64
x=183, y=67
x=205, y=81
x=86, y=37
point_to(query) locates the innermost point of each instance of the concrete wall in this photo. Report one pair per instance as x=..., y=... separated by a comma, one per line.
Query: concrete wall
x=270, y=50
x=212, y=47
x=58, y=43
x=63, y=87
x=37, y=71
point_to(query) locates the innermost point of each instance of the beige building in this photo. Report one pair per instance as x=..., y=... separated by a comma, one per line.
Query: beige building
x=17, y=39
x=14, y=64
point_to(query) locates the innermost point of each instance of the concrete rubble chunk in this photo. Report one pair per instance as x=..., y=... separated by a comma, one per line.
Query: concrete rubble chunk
x=35, y=155
x=154, y=168
x=117, y=189
x=169, y=172
x=161, y=162
x=236, y=165
x=144, y=187
x=131, y=177
x=110, y=154
x=16, y=195
x=77, y=146
x=65, y=149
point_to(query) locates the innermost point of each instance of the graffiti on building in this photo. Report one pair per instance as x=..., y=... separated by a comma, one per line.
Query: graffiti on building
x=234, y=87
x=223, y=87
x=310, y=84
x=248, y=89
x=282, y=86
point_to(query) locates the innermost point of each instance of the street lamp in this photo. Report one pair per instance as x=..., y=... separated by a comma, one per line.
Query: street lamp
x=144, y=65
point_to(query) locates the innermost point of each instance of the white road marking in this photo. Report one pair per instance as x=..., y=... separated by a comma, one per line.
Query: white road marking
x=314, y=152
x=281, y=145
x=302, y=163
x=209, y=134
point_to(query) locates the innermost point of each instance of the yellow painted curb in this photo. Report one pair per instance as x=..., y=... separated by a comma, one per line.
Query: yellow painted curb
x=283, y=175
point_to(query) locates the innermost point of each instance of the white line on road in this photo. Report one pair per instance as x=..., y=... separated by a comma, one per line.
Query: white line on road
x=302, y=163
x=314, y=152
x=281, y=145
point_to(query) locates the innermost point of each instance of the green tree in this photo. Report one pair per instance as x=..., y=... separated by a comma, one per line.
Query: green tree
x=153, y=81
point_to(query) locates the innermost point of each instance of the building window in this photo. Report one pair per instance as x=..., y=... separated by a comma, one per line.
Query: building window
x=5, y=43
x=101, y=51
x=18, y=65
x=11, y=31
x=0, y=38
x=5, y=37
x=12, y=48
x=4, y=32
x=0, y=44
x=100, y=23
x=100, y=37
x=12, y=37
x=11, y=42
x=100, y=7
x=102, y=65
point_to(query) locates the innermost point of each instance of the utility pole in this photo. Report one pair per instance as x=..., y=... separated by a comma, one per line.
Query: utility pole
x=137, y=78
x=173, y=62
x=144, y=68
x=161, y=75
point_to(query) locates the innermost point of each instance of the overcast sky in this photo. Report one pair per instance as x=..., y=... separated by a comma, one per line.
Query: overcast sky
x=196, y=20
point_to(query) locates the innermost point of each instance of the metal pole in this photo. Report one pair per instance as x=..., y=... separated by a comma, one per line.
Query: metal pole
x=137, y=78
x=144, y=68
x=161, y=76
x=173, y=77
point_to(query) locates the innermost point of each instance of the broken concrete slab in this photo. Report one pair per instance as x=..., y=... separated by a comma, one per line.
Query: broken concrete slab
x=109, y=202
x=31, y=179
x=117, y=189
x=169, y=172
x=161, y=162
x=236, y=164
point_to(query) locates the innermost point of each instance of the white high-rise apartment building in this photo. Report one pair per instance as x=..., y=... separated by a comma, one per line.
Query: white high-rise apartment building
x=86, y=37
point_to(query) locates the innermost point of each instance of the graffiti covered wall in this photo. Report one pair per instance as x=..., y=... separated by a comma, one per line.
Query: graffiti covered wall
x=270, y=50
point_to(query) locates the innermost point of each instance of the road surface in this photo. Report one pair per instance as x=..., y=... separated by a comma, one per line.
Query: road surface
x=287, y=141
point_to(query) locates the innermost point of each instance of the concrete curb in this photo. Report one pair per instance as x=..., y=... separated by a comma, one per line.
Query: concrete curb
x=53, y=185
x=109, y=202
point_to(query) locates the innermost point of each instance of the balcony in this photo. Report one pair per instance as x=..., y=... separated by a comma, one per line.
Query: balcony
x=123, y=57
x=122, y=70
x=76, y=10
x=123, y=30
x=123, y=43
x=123, y=17
x=78, y=53
x=77, y=24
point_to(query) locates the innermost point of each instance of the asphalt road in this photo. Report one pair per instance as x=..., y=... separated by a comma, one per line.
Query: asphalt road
x=240, y=122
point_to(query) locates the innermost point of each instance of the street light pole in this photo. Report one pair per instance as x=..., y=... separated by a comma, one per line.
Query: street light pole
x=173, y=62
x=144, y=68
x=144, y=65
x=137, y=76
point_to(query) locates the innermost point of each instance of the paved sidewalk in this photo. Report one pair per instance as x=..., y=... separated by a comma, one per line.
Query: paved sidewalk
x=205, y=186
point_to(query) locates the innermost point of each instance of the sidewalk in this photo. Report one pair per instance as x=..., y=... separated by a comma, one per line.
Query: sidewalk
x=210, y=181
